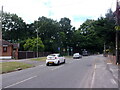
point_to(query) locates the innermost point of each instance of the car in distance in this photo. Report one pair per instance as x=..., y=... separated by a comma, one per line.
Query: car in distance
x=77, y=56
x=85, y=53
x=54, y=59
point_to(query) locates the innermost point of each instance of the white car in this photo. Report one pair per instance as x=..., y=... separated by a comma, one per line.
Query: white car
x=54, y=59
x=77, y=56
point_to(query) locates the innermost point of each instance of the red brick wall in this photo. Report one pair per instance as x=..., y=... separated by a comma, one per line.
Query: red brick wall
x=9, y=51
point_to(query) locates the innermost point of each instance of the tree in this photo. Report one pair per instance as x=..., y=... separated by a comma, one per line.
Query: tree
x=105, y=28
x=31, y=44
x=66, y=28
x=48, y=30
x=13, y=28
x=88, y=37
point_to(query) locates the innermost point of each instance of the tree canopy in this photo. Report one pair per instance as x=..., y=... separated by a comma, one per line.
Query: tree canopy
x=91, y=35
x=32, y=44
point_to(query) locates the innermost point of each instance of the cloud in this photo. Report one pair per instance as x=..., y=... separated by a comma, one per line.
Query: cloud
x=77, y=10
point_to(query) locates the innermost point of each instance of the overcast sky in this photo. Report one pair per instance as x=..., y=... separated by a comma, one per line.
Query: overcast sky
x=76, y=10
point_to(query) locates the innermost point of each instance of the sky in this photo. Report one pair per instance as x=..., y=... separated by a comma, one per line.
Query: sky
x=78, y=11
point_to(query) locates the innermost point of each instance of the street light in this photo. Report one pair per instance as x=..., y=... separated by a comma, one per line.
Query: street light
x=1, y=23
x=37, y=43
x=1, y=15
x=68, y=50
x=117, y=30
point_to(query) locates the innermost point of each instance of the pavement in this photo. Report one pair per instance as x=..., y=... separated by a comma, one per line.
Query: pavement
x=105, y=74
x=114, y=69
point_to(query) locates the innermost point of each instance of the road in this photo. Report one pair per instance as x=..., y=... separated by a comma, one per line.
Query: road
x=88, y=72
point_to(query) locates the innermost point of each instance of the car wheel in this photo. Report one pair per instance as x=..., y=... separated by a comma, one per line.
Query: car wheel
x=64, y=61
x=58, y=63
x=47, y=64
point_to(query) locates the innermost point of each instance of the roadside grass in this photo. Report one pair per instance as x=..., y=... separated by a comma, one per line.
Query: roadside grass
x=68, y=56
x=39, y=59
x=13, y=66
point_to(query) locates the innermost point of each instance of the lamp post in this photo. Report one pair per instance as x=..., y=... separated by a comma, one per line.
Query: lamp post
x=1, y=23
x=117, y=31
x=68, y=50
x=1, y=15
x=37, y=43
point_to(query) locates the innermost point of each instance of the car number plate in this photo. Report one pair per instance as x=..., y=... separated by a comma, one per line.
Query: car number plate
x=50, y=62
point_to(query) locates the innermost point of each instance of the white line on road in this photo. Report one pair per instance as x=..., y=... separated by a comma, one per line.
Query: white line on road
x=71, y=62
x=93, y=78
x=41, y=65
x=109, y=63
x=20, y=82
x=95, y=66
x=112, y=70
x=57, y=67
x=113, y=81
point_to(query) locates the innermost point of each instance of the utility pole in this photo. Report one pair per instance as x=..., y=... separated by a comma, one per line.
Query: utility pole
x=117, y=31
x=104, y=49
x=1, y=18
x=1, y=15
x=37, y=43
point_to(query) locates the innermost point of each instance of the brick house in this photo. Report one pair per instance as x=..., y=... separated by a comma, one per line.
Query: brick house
x=9, y=50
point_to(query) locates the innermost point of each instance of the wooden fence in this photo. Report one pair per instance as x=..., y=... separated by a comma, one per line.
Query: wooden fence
x=30, y=54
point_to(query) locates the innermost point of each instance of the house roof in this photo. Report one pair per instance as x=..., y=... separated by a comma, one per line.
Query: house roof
x=6, y=42
x=15, y=45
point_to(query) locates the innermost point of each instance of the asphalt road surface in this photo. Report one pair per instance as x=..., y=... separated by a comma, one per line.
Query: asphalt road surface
x=87, y=72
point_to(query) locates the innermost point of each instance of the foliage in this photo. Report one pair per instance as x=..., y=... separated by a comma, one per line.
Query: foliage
x=91, y=35
x=48, y=31
x=86, y=37
x=32, y=44
x=13, y=27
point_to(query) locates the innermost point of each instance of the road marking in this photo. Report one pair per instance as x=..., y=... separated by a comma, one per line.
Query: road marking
x=70, y=62
x=109, y=63
x=57, y=67
x=115, y=76
x=41, y=65
x=95, y=66
x=93, y=78
x=20, y=82
x=112, y=70
x=113, y=81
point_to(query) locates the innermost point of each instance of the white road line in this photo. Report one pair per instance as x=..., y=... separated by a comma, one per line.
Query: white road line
x=112, y=70
x=20, y=82
x=72, y=61
x=93, y=78
x=109, y=63
x=115, y=76
x=95, y=66
x=57, y=67
x=113, y=81
x=40, y=65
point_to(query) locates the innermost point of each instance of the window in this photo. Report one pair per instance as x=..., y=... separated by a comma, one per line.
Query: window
x=4, y=49
x=59, y=55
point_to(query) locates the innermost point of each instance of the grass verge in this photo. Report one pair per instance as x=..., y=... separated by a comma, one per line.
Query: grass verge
x=68, y=56
x=13, y=66
x=39, y=59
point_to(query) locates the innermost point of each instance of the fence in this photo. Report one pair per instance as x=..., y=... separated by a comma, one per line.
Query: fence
x=30, y=54
x=113, y=58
